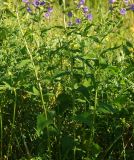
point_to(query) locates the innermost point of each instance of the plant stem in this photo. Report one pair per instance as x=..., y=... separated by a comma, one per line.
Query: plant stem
x=64, y=15
x=33, y=64
x=1, y=131
x=13, y=122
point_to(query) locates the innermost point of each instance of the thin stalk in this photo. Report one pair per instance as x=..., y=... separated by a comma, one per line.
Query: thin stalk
x=94, y=114
x=9, y=150
x=74, y=109
x=1, y=131
x=64, y=15
x=37, y=79
x=33, y=64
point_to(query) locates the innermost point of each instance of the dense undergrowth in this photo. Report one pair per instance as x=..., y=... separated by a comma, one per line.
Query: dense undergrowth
x=66, y=92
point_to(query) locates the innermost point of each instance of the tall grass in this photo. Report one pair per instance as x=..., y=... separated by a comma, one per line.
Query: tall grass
x=65, y=92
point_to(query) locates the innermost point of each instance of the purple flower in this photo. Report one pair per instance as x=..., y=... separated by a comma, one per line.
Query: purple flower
x=85, y=9
x=81, y=2
x=131, y=7
x=25, y=1
x=123, y=11
x=70, y=14
x=29, y=9
x=42, y=3
x=50, y=10
x=36, y=3
x=112, y=1
x=47, y=15
x=78, y=21
x=89, y=16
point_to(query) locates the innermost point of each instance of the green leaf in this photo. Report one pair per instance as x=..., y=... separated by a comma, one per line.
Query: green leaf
x=35, y=91
x=42, y=122
x=24, y=63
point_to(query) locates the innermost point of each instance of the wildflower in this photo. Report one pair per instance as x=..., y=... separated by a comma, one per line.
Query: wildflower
x=85, y=9
x=131, y=7
x=70, y=14
x=42, y=3
x=112, y=1
x=36, y=3
x=123, y=11
x=50, y=10
x=47, y=15
x=89, y=16
x=78, y=21
x=29, y=9
x=81, y=2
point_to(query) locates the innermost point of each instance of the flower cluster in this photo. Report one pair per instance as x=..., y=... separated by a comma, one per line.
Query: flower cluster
x=85, y=12
x=38, y=4
x=47, y=9
x=126, y=6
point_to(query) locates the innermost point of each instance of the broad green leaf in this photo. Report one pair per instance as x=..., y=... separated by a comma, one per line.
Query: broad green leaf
x=35, y=91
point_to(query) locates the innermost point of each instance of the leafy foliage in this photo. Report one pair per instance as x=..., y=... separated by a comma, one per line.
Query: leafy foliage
x=65, y=93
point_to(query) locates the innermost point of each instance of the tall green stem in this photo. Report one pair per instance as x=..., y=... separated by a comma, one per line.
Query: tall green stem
x=1, y=132
x=9, y=151
x=33, y=64
x=64, y=15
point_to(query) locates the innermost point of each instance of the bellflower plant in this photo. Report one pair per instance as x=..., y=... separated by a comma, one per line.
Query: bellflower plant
x=82, y=2
x=78, y=20
x=50, y=9
x=89, y=16
x=85, y=9
x=29, y=9
x=122, y=11
x=70, y=14
x=131, y=7
x=42, y=3
x=47, y=15
x=36, y=3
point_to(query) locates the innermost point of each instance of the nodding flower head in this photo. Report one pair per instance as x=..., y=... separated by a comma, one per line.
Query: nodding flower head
x=29, y=9
x=42, y=3
x=89, y=16
x=131, y=7
x=70, y=14
x=36, y=3
x=123, y=11
x=47, y=15
x=85, y=9
x=82, y=2
x=50, y=10
x=78, y=21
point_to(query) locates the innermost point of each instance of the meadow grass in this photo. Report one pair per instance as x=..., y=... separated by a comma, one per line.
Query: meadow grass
x=66, y=93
